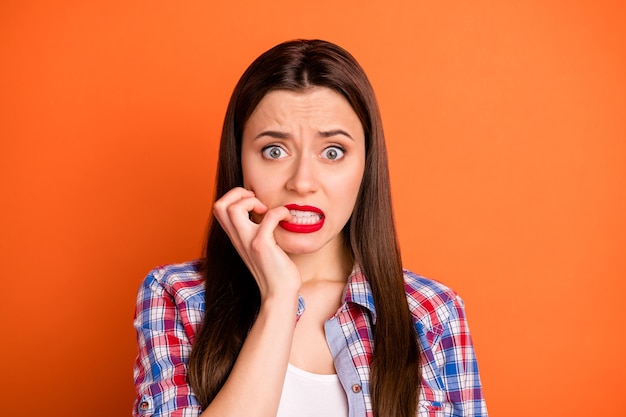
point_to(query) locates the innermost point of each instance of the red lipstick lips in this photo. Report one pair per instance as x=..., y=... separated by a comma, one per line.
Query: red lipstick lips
x=306, y=219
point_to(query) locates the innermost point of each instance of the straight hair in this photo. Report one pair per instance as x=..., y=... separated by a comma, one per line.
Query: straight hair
x=232, y=296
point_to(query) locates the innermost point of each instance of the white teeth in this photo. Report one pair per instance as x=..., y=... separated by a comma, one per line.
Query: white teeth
x=304, y=217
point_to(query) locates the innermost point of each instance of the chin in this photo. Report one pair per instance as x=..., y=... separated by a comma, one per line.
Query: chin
x=298, y=249
x=298, y=245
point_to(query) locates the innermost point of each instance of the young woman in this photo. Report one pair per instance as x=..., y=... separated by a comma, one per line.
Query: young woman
x=300, y=306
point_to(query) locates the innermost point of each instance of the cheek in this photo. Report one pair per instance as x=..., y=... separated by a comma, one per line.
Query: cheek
x=257, y=177
x=347, y=192
x=264, y=190
x=248, y=166
x=249, y=176
x=247, y=182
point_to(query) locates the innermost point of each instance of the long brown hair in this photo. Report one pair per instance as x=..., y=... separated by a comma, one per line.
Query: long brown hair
x=232, y=296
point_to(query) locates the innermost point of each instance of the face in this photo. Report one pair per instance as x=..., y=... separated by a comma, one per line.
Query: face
x=306, y=151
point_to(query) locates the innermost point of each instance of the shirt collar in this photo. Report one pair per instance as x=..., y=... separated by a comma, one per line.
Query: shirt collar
x=358, y=291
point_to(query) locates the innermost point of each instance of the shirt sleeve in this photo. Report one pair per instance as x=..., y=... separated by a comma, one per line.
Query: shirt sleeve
x=160, y=370
x=459, y=370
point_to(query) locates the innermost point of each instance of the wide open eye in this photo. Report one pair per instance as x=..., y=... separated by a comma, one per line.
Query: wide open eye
x=274, y=152
x=333, y=153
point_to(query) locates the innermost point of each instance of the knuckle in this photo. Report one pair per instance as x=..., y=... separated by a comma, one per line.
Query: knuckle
x=219, y=206
x=232, y=209
x=257, y=245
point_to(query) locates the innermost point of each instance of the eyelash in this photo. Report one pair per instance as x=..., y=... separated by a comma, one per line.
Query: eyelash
x=265, y=151
x=341, y=150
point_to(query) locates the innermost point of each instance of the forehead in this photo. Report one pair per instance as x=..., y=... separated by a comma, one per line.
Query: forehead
x=316, y=105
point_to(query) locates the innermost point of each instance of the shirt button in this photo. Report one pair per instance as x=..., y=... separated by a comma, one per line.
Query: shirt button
x=144, y=405
x=356, y=388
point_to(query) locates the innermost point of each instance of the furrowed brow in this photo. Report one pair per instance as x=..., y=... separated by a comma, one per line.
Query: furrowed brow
x=273, y=134
x=335, y=132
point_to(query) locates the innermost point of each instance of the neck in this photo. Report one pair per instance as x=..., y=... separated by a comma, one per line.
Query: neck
x=333, y=263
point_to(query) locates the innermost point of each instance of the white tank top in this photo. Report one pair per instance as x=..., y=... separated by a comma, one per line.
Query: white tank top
x=312, y=395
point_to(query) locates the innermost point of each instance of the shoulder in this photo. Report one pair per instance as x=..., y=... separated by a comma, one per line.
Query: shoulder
x=182, y=281
x=431, y=303
x=171, y=298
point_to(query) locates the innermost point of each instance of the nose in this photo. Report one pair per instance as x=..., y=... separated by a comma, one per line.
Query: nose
x=303, y=179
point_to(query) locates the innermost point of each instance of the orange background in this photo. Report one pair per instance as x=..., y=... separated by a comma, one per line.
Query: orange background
x=506, y=126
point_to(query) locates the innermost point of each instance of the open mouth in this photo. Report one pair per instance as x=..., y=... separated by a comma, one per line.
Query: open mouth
x=304, y=219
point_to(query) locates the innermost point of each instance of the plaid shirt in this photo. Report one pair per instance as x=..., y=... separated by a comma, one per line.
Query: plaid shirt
x=170, y=307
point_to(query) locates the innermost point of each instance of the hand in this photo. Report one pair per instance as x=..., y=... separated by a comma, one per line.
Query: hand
x=273, y=270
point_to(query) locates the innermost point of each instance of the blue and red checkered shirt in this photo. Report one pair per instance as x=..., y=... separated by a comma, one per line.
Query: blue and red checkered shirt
x=170, y=308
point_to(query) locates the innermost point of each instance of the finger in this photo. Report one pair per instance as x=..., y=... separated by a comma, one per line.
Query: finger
x=271, y=220
x=221, y=206
x=239, y=212
x=231, y=197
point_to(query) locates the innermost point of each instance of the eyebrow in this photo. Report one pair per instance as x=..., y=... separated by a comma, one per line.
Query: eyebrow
x=282, y=135
x=331, y=133
x=272, y=134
